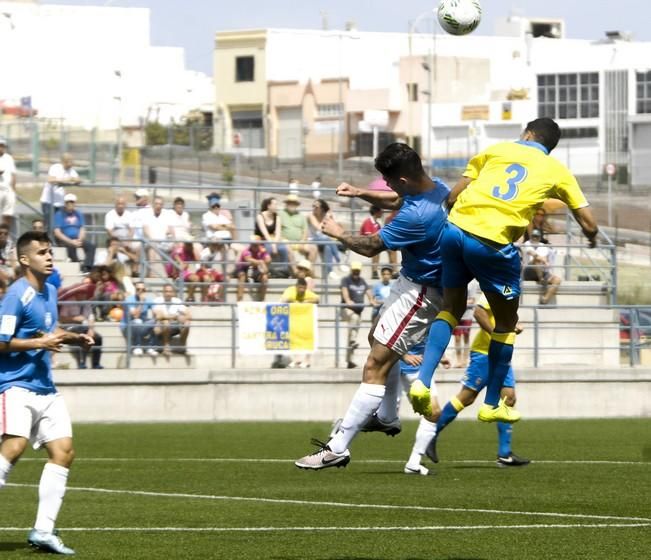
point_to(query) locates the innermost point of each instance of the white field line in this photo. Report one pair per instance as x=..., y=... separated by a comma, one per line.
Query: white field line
x=360, y=461
x=372, y=528
x=343, y=504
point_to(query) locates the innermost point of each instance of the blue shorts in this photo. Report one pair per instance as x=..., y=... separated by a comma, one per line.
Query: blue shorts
x=497, y=269
x=476, y=376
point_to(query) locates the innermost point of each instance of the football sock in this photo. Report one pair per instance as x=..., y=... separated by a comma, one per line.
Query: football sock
x=437, y=342
x=388, y=410
x=5, y=467
x=449, y=413
x=504, y=433
x=500, y=353
x=366, y=401
x=51, y=490
x=424, y=434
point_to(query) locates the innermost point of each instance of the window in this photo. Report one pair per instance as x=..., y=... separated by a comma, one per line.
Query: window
x=643, y=81
x=568, y=96
x=582, y=132
x=244, y=69
x=412, y=92
x=330, y=110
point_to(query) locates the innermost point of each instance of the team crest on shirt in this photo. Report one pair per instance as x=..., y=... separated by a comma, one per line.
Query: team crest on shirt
x=48, y=320
x=507, y=291
x=28, y=295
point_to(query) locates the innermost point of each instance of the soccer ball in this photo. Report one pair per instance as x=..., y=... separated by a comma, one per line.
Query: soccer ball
x=459, y=17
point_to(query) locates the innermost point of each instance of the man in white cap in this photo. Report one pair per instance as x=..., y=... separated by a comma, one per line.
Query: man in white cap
x=7, y=184
x=58, y=177
x=69, y=232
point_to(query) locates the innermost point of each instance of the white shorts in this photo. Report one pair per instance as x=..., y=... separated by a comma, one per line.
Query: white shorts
x=7, y=202
x=38, y=418
x=406, y=315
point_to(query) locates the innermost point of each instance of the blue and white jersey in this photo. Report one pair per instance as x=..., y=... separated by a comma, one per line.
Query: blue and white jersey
x=416, y=232
x=27, y=313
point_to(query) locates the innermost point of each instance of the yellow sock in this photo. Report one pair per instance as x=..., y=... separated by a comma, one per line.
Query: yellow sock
x=448, y=318
x=457, y=404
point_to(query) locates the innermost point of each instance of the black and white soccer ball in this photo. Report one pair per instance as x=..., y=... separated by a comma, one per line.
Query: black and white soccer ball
x=459, y=17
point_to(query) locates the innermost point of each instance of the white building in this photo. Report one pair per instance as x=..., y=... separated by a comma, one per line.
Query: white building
x=287, y=92
x=94, y=66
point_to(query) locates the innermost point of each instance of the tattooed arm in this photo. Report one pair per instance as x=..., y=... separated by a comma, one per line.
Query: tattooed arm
x=367, y=245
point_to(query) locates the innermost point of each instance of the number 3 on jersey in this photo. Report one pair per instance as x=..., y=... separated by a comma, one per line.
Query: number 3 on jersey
x=517, y=173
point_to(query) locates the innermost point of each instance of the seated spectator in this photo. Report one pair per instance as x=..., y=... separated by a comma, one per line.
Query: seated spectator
x=69, y=232
x=253, y=268
x=293, y=228
x=115, y=253
x=370, y=226
x=326, y=246
x=541, y=223
x=304, y=270
x=107, y=289
x=381, y=290
x=185, y=266
x=217, y=222
x=59, y=176
x=538, y=259
x=298, y=293
x=138, y=322
x=172, y=319
x=8, y=262
x=156, y=231
x=78, y=317
x=118, y=224
x=180, y=226
x=212, y=260
x=268, y=225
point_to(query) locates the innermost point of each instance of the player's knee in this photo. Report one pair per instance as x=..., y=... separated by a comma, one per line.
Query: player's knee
x=373, y=371
x=64, y=456
x=13, y=448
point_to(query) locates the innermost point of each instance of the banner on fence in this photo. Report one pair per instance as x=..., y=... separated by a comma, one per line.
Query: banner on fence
x=277, y=328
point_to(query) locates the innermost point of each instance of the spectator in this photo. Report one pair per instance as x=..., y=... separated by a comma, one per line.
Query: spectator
x=212, y=260
x=539, y=259
x=253, y=268
x=55, y=277
x=7, y=184
x=77, y=317
x=184, y=266
x=118, y=221
x=299, y=293
x=156, y=231
x=293, y=186
x=141, y=214
x=172, y=319
x=326, y=246
x=69, y=231
x=59, y=176
x=294, y=228
x=370, y=226
x=179, y=221
x=267, y=228
x=316, y=188
x=353, y=291
x=138, y=321
x=217, y=222
x=115, y=253
x=461, y=332
x=541, y=223
x=381, y=289
x=107, y=289
x=8, y=262
x=304, y=270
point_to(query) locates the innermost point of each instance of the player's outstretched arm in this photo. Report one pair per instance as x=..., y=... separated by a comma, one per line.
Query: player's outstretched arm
x=47, y=341
x=388, y=200
x=588, y=224
x=367, y=245
x=75, y=339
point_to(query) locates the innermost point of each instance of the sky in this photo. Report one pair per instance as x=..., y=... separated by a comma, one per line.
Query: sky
x=192, y=23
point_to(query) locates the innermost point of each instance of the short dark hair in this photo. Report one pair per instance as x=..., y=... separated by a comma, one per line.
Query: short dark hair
x=301, y=282
x=110, y=240
x=374, y=210
x=4, y=226
x=178, y=199
x=25, y=240
x=266, y=202
x=399, y=160
x=546, y=131
x=325, y=207
x=387, y=267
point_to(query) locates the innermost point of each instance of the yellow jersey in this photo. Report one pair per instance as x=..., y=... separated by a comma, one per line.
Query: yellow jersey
x=511, y=180
x=482, y=339
x=290, y=296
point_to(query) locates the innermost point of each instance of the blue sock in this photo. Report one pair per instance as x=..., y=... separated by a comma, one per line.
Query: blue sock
x=499, y=362
x=437, y=342
x=448, y=414
x=504, y=431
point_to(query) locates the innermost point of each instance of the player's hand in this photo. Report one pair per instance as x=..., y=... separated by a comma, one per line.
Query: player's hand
x=519, y=328
x=412, y=360
x=344, y=189
x=332, y=228
x=85, y=341
x=53, y=341
x=445, y=362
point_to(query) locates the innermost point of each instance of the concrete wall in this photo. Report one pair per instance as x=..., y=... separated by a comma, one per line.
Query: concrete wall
x=154, y=396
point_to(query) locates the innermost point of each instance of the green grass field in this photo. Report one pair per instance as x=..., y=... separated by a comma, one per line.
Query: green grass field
x=231, y=491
